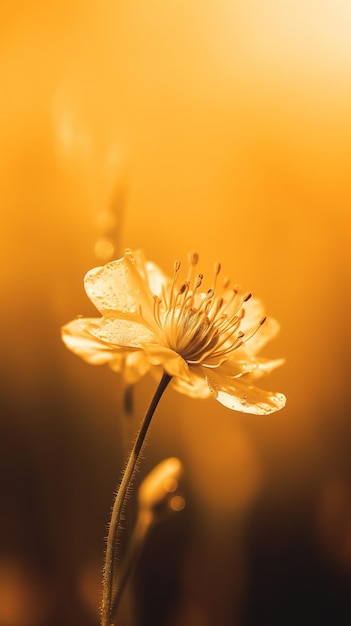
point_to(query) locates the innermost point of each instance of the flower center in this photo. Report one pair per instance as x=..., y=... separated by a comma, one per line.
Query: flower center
x=189, y=333
x=201, y=326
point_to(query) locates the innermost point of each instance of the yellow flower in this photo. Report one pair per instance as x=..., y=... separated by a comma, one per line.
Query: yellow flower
x=206, y=341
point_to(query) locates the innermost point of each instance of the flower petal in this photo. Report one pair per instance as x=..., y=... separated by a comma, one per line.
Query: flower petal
x=157, y=280
x=77, y=337
x=171, y=361
x=254, y=311
x=135, y=366
x=120, y=332
x=242, y=364
x=196, y=387
x=265, y=333
x=237, y=395
x=120, y=285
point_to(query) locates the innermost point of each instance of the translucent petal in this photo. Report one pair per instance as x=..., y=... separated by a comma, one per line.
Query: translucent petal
x=77, y=337
x=254, y=311
x=135, y=367
x=119, y=332
x=197, y=387
x=157, y=280
x=241, y=364
x=171, y=361
x=268, y=331
x=121, y=285
x=237, y=395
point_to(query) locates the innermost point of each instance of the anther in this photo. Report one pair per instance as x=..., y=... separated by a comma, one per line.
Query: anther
x=262, y=321
x=198, y=281
x=176, y=267
x=210, y=294
x=216, y=270
x=247, y=297
x=193, y=258
x=183, y=288
x=219, y=305
x=226, y=282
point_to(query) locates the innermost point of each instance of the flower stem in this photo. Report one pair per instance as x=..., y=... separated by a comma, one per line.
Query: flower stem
x=135, y=545
x=120, y=501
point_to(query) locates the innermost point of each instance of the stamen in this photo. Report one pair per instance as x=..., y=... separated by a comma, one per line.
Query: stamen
x=214, y=319
x=157, y=303
x=231, y=300
x=216, y=308
x=216, y=270
x=183, y=291
x=201, y=325
x=194, y=331
x=239, y=307
x=237, y=343
x=262, y=321
x=205, y=304
x=193, y=259
x=226, y=351
x=176, y=268
x=226, y=329
x=209, y=301
x=198, y=282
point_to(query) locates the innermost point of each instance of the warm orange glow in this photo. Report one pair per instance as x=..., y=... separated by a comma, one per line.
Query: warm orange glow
x=221, y=126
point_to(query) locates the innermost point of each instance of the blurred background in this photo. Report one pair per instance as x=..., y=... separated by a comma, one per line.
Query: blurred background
x=219, y=126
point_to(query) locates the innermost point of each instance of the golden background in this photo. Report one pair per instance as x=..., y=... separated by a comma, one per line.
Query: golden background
x=223, y=127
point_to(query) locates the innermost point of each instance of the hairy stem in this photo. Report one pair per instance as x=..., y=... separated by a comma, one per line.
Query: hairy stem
x=136, y=542
x=120, y=502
